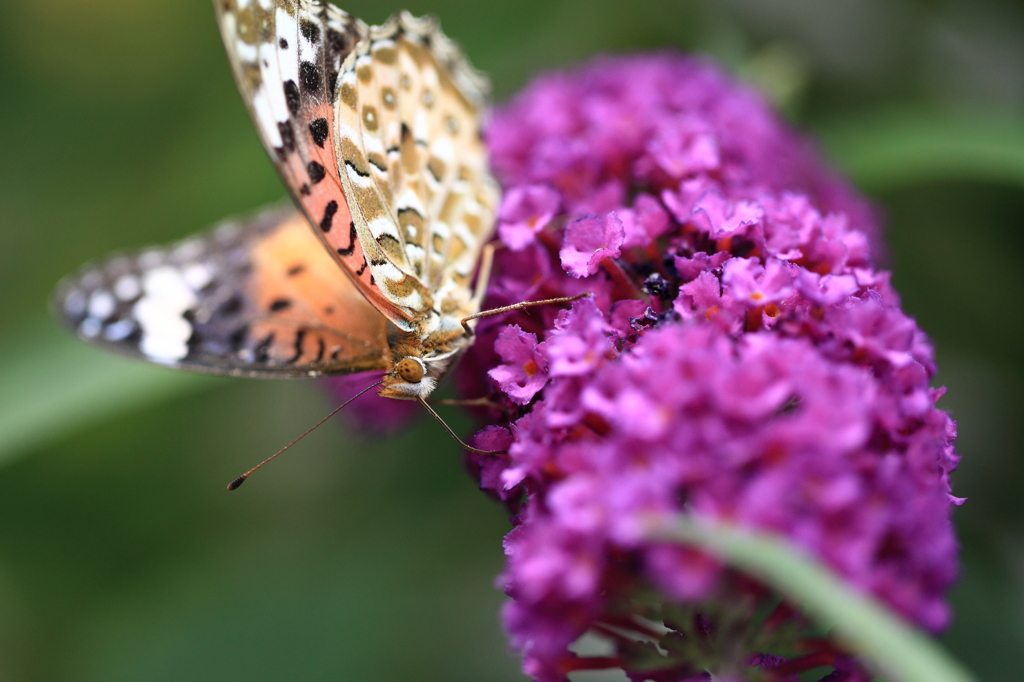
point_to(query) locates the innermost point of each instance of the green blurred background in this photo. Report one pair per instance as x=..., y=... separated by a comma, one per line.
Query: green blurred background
x=361, y=557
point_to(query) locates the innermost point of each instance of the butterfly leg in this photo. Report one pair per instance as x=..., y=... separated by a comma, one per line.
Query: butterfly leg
x=516, y=306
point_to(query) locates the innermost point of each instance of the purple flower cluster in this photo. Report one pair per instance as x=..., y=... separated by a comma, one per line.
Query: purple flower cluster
x=739, y=358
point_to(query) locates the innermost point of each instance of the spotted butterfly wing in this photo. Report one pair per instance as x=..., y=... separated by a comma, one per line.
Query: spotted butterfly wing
x=421, y=196
x=257, y=297
x=286, y=56
x=375, y=131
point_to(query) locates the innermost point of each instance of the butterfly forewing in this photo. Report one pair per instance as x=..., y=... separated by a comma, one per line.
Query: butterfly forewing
x=253, y=298
x=286, y=56
x=376, y=132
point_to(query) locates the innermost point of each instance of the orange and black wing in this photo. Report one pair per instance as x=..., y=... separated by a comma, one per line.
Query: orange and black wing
x=376, y=133
x=256, y=297
x=286, y=56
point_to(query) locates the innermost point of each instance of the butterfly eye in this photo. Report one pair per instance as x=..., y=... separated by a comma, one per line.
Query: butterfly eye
x=409, y=370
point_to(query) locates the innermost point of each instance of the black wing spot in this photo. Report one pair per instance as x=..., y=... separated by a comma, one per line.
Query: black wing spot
x=287, y=136
x=283, y=44
x=316, y=172
x=318, y=129
x=310, y=31
x=300, y=336
x=329, y=211
x=296, y=270
x=362, y=268
x=305, y=190
x=336, y=43
x=280, y=304
x=238, y=337
x=373, y=159
x=347, y=251
x=311, y=76
x=321, y=350
x=261, y=353
x=230, y=307
x=291, y=95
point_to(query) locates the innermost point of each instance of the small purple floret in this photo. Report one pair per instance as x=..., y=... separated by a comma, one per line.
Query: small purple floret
x=588, y=241
x=525, y=371
x=525, y=211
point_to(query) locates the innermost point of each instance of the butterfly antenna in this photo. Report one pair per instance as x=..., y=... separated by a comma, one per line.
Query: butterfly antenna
x=241, y=479
x=452, y=433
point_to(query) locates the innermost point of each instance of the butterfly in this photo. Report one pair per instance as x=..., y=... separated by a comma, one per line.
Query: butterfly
x=375, y=131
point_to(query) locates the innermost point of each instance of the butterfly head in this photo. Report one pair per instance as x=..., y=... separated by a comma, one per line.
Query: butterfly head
x=412, y=377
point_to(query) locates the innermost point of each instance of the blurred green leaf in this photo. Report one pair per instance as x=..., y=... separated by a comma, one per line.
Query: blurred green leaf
x=901, y=147
x=870, y=628
x=52, y=384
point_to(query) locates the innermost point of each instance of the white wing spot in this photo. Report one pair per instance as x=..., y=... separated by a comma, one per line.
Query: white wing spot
x=127, y=287
x=101, y=305
x=410, y=199
x=414, y=252
x=165, y=332
x=357, y=179
x=286, y=27
x=187, y=251
x=198, y=275
x=90, y=327
x=265, y=117
x=381, y=226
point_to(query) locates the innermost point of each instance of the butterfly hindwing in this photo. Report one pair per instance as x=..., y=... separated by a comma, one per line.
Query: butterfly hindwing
x=415, y=167
x=259, y=297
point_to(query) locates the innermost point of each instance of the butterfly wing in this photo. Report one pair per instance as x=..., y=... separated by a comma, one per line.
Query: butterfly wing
x=286, y=55
x=258, y=297
x=415, y=167
x=406, y=223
